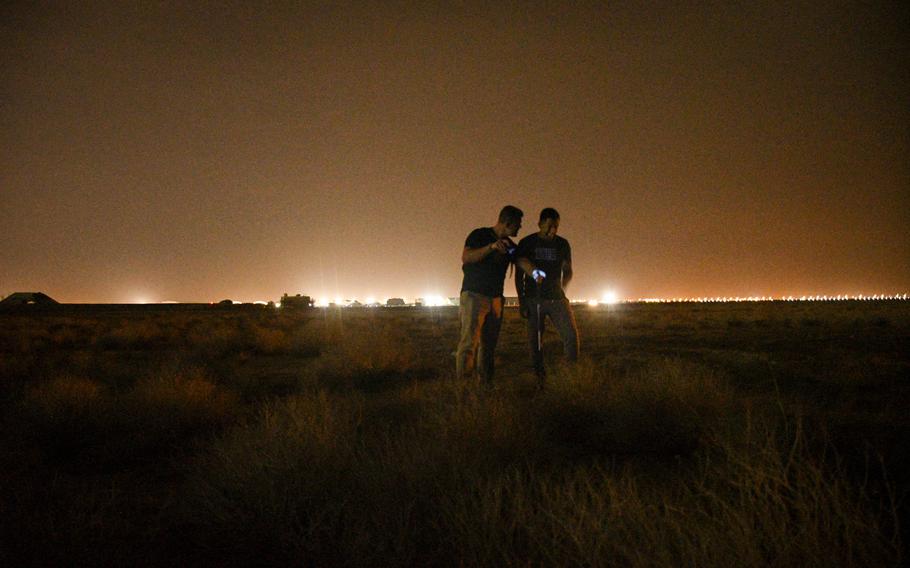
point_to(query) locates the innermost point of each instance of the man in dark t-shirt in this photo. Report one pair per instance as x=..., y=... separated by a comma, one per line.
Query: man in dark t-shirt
x=487, y=254
x=487, y=275
x=550, y=256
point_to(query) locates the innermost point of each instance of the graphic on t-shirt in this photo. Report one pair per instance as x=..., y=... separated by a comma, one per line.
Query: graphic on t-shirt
x=545, y=254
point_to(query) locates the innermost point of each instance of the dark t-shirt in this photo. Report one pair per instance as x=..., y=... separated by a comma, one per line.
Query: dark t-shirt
x=485, y=277
x=548, y=256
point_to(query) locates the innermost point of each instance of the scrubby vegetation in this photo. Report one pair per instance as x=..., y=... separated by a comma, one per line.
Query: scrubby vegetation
x=706, y=435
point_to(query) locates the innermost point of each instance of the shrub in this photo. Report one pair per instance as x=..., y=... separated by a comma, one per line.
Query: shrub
x=79, y=425
x=66, y=417
x=371, y=360
x=170, y=407
x=663, y=409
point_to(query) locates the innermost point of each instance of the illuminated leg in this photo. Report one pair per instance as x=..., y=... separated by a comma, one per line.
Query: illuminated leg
x=489, y=336
x=471, y=321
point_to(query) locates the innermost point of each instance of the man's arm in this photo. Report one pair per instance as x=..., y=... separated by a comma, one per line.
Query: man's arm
x=566, y=273
x=525, y=265
x=528, y=268
x=472, y=255
x=520, y=291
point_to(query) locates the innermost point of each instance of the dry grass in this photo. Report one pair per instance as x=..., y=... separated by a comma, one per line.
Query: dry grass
x=752, y=435
x=497, y=479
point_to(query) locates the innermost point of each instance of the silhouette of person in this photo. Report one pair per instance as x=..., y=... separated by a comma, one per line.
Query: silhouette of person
x=546, y=262
x=488, y=252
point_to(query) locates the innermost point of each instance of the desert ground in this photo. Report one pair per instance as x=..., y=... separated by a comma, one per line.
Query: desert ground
x=749, y=434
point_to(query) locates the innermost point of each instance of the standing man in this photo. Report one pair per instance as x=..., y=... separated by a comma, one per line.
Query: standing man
x=546, y=260
x=487, y=253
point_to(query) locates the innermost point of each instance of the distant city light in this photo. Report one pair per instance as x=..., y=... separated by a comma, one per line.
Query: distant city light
x=435, y=300
x=816, y=298
x=370, y=300
x=612, y=298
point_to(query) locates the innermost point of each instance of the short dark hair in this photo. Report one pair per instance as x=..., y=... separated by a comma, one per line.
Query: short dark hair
x=510, y=215
x=548, y=213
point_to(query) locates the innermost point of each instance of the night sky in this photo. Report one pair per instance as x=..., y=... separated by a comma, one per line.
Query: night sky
x=197, y=151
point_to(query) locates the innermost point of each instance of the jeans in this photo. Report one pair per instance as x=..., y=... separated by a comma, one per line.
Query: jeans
x=561, y=315
x=481, y=319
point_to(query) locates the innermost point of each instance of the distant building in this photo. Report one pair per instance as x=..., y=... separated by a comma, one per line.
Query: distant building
x=296, y=301
x=28, y=299
x=511, y=301
x=395, y=302
x=455, y=301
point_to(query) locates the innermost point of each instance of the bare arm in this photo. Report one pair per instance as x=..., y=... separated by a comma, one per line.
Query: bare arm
x=525, y=265
x=566, y=273
x=519, y=281
x=472, y=255
x=528, y=268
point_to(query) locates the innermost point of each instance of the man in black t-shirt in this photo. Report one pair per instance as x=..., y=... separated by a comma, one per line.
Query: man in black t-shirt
x=546, y=260
x=487, y=254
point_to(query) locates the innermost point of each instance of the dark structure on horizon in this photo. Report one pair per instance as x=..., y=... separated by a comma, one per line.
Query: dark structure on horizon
x=296, y=301
x=28, y=299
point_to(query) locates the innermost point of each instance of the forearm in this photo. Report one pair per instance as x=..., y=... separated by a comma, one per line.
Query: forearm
x=525, y=265
x=566, y=278
x=470, y=256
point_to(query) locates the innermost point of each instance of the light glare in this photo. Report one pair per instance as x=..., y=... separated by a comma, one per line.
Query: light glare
x=610, y=297
x=435, y=300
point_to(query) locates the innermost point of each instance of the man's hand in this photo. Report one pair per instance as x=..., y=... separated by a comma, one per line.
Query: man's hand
x=501, y=246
